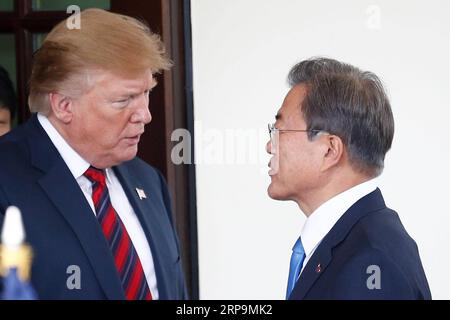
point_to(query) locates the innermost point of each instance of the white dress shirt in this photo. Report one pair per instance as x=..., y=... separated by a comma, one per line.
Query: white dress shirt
x=322, y=220
x=119, y=200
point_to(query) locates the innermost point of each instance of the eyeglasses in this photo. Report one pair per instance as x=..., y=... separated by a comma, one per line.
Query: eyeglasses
x=273, y=132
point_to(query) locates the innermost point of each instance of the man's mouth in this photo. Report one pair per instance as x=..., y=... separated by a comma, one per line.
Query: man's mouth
x=273, y=170
x=133, y=139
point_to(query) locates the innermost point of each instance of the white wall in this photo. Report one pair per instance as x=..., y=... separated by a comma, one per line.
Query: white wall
x=242, y=51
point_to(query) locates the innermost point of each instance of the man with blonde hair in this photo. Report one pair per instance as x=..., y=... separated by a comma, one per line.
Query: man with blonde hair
x=98, y=218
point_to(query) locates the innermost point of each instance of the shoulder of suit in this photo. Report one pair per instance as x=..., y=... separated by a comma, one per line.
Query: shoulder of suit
x=13, y=148
x=382, y=226
x=14, y=136
x=382, y=231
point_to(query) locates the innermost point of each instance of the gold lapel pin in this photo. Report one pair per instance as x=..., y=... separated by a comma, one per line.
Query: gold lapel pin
x=141, y=193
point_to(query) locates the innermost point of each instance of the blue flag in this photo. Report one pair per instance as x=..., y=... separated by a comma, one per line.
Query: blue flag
x=16, y=289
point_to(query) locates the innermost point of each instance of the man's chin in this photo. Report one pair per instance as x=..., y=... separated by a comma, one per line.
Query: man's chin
x=274, y=193
x=128, y=154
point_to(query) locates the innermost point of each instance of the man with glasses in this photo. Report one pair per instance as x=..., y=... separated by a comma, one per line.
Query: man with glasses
x=328, y=144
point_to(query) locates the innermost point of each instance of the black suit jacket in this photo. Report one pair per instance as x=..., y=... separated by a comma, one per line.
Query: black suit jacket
x=367, y=255
x=62, y=229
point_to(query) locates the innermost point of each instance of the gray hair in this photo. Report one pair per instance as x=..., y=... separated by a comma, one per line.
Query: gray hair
x=350, y=103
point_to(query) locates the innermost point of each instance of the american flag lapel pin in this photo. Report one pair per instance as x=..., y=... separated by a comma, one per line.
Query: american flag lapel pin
x=141, y=193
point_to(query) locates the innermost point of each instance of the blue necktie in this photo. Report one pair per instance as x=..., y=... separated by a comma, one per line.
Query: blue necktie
x=297, y=258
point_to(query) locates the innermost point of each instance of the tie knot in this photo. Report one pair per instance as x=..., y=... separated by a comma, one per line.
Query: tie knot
x=95, y=175
x=298, y=247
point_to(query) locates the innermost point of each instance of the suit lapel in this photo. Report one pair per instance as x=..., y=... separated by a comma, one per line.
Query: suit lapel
x=324, y=252
x=64, y=192
x=312, y=271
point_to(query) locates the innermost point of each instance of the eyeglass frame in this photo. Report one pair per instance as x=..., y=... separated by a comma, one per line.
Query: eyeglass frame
x=272, y=128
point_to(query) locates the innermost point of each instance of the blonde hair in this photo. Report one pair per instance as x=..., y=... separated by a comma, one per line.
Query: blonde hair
x=105, y=41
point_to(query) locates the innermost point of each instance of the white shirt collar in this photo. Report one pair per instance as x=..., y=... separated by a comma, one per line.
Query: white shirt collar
x=320, y=222
x=77, y=165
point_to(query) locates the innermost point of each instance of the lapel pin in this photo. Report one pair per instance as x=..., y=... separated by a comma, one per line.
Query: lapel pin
x=141, y=193
x=318, y=268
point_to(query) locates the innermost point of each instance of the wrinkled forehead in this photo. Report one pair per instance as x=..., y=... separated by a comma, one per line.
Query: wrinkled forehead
x=138, y=81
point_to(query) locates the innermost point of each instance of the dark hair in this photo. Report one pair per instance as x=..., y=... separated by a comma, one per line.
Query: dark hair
x=350, y=103
x=7, y=94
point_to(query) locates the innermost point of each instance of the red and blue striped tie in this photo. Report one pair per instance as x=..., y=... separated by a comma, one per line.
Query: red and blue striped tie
x=127, y=261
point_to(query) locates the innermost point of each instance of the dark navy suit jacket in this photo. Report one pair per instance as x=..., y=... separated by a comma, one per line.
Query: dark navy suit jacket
x=63, y=231
x=367, y=255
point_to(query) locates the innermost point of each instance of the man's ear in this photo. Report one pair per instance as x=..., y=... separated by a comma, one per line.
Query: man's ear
x=62, y=107
x=333, y=151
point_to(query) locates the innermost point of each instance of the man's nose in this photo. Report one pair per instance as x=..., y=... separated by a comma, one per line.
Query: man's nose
x=142, y=113
x=147, y=116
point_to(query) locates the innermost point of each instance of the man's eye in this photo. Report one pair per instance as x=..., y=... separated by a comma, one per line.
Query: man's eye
x=121, y=103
